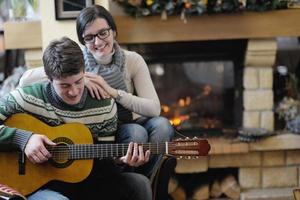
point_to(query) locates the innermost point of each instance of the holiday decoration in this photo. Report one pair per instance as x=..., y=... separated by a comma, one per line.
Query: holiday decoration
x=184, y=8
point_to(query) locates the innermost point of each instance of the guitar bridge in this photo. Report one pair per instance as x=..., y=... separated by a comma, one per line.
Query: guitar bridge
x=21, y=163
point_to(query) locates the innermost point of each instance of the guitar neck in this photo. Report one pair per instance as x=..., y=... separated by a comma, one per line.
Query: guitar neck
x=90, y=151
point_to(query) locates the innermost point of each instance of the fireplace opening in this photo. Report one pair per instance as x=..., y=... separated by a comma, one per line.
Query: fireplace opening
x=196, y=95
x=199, y=83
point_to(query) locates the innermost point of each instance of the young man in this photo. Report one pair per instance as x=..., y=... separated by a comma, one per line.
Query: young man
x=64, y=99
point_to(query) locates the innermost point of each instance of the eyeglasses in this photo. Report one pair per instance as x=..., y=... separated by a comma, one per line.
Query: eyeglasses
x=102, y=34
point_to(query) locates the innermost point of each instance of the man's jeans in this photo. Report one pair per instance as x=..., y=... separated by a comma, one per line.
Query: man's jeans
x=47, y=195
x=140, y=189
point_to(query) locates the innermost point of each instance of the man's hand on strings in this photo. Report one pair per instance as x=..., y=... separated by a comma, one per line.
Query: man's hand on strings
x=35, y=149
x=135, y=155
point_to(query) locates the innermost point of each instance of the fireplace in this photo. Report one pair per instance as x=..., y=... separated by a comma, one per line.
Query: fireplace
x=199, y=83
x=253, y=164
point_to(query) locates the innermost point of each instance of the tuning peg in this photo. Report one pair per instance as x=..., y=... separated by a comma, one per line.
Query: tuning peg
x=195, y=137
x=187, y=138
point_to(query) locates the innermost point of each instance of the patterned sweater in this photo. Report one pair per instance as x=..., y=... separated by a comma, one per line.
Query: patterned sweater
x=41, y=101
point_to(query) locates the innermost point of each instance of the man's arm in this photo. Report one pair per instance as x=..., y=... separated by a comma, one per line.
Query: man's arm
x=33, y=145
x=16, y=139
x=11, y=138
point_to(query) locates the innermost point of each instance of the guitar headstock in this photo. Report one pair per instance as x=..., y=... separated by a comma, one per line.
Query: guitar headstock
x=188, y=148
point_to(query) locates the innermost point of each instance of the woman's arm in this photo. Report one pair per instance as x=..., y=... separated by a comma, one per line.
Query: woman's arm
x=146, y=101
x=31, y=76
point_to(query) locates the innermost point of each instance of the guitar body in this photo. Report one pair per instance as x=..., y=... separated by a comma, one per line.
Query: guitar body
x=36, y=175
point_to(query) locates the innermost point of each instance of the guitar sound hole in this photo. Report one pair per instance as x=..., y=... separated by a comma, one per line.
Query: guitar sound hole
x=60, y=153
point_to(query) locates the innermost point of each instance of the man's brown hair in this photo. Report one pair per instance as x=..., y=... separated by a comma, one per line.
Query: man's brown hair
x=62, y=58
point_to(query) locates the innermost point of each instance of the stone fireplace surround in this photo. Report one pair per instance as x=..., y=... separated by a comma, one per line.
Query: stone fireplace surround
x=269, y=164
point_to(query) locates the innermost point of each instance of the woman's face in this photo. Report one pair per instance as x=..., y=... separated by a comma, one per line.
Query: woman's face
x=102, y=37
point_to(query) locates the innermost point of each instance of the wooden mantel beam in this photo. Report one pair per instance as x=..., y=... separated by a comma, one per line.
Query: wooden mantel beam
x=209, y=27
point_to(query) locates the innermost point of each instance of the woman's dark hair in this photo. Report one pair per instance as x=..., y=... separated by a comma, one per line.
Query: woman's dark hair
x=90, y=14
x=62, y=58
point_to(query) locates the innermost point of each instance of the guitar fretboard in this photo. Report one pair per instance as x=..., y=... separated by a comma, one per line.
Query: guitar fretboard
x=90, y=151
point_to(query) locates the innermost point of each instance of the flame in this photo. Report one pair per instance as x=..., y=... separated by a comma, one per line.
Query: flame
x=176, y=121
x=165, y=108
x=181, y=102
x=188, y=101
x=184, y=101
x=182, y=114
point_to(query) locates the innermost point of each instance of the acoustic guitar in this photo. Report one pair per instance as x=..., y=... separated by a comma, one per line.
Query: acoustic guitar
x=72, y=157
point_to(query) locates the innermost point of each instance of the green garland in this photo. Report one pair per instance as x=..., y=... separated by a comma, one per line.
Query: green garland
x=185, y=8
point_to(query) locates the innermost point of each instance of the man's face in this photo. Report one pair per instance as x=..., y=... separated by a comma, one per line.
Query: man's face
x=70, y=89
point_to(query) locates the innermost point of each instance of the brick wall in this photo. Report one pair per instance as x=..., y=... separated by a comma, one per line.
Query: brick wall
x=270, y=165
x=258, y=84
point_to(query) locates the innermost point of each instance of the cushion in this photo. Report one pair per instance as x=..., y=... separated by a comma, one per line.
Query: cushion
x=7, y=192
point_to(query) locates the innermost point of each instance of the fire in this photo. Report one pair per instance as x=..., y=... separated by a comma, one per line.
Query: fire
x=183, y=102
x=185, y=113
x=176, y=121
x=175, y=117
x=165, y=108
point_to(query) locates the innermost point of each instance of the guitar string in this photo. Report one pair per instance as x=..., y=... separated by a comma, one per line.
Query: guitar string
x=126, y=145
x=87, y=148
x=94, y=151
x=106, y=146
